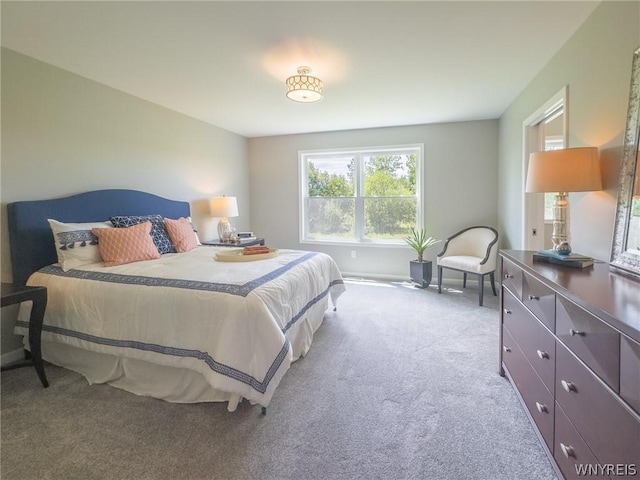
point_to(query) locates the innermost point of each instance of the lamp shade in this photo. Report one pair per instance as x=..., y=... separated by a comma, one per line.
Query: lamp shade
x=566, y=170
x=224, y=207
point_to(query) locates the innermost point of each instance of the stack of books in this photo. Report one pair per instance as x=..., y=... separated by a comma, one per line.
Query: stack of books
x=246, y=236
x=572, y=260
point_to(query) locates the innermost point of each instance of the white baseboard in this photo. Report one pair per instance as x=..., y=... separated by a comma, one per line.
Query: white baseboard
x=375, y=276
x=446, y=281
x=14, y=356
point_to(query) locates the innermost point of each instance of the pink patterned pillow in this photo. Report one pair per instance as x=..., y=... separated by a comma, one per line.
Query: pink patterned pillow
x=181, y=234
x=126, y=245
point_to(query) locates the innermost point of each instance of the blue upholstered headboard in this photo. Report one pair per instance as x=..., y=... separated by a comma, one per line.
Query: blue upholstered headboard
x=30, y=237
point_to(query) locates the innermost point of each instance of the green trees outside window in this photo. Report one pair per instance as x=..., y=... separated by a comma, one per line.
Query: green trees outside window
x=362, y=196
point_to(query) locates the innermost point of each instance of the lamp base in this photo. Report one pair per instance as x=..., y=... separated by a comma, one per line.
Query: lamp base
x=225, y=230
x=562, y=249
x=560, y=235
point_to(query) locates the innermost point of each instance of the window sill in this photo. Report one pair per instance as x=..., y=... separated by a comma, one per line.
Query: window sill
x=398, y=244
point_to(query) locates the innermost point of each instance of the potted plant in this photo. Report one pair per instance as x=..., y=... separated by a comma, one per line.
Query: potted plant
x=420, y=269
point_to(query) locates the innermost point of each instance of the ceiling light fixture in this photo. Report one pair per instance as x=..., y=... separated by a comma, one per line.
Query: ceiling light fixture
x=303, y=87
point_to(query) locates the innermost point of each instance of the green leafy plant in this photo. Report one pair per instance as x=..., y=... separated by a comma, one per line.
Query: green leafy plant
x=420, y=242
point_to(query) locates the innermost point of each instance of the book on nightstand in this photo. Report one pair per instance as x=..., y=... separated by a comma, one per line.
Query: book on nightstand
x=572, y=260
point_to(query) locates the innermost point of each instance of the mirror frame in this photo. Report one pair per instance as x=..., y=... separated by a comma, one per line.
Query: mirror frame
x=621, y=259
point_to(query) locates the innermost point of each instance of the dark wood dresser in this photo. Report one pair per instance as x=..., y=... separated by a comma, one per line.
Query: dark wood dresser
x=570, y=345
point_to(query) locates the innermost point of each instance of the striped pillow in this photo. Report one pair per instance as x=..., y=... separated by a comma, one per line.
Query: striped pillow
x=75, y=244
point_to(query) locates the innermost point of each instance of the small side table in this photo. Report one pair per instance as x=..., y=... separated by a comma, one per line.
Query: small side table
x=12, y=294
x=246, y=243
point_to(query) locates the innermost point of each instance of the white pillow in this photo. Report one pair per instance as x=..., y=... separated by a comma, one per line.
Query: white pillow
x=75, y=244
x=195, y=232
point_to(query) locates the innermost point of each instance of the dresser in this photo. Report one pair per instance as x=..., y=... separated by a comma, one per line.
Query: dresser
x=570, y=346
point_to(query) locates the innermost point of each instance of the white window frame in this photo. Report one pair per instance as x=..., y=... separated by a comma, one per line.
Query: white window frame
x=533, y=203
x=358, y=152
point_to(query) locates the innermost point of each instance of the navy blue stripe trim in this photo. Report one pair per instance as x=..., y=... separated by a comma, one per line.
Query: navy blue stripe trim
x=180, y=352
x=241, y=290
x=310, y=304
x=259, y=386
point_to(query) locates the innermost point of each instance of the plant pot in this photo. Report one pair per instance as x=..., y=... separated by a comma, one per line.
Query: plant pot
x=420, y=272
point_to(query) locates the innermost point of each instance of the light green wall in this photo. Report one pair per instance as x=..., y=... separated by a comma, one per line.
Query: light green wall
x=596, y=65
x=460, y=182
x=63, y=134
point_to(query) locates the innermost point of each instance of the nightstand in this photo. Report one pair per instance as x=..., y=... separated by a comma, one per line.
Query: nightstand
x=12, y=294
x=247, y=243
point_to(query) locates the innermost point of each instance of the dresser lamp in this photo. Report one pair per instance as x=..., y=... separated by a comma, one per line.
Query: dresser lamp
x=563, y=171
x=224, y=207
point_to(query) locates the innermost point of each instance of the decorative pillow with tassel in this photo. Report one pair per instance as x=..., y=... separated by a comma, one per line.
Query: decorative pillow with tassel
x=75, y=244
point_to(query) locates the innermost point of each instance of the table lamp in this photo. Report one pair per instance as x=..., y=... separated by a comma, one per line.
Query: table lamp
x=224, y=207
x=563, y=171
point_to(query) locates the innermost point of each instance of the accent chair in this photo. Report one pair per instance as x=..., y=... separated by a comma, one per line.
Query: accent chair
x=472, y=250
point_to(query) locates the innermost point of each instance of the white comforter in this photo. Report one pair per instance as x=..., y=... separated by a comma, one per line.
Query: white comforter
x=227, y=321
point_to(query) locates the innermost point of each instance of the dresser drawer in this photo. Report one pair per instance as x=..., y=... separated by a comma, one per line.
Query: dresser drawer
x=512, y=278
x=540, y=299
x=593, y=341
x=630, y=372
x=570, y=451
x=533, y=393
x=537, y=343
x=610, y=430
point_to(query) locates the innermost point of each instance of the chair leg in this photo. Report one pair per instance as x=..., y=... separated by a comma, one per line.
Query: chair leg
x=481, y=288
x=493, y=283
x=439, y=279
x=464, y=279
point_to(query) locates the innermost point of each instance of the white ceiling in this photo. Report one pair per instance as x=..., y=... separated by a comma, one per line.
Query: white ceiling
x=383, y=63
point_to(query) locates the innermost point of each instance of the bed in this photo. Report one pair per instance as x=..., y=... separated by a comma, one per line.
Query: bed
x=182, y=327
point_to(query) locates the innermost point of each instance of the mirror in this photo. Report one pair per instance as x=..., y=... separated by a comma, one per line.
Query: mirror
x=625, y=253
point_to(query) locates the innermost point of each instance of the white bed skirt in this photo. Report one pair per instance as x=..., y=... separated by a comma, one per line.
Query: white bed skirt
x=177, y=385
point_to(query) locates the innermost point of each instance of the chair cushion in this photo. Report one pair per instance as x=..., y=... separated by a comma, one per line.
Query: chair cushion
x=467, y=263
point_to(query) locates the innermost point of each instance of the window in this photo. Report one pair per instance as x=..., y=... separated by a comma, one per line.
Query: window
x=551, y=129
x=368, y=195
x=551, y=143
x=546, y=128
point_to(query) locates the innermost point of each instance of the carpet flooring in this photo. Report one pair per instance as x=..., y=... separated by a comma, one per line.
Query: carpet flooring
x=400, y=383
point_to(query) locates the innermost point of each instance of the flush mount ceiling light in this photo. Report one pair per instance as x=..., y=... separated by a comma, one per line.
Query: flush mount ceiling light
x=303, y=87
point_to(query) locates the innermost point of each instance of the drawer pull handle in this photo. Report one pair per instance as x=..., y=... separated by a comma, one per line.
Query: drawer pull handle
x=542, y=408
x=542, y=354
x=508, y=275
x=534, y=297
x=573, y=332
x=506, y=349
x=507, y=311
x=567, y=450
x=568, y=386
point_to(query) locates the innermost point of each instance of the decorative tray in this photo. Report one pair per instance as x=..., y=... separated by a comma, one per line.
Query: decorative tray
x=238, y=255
